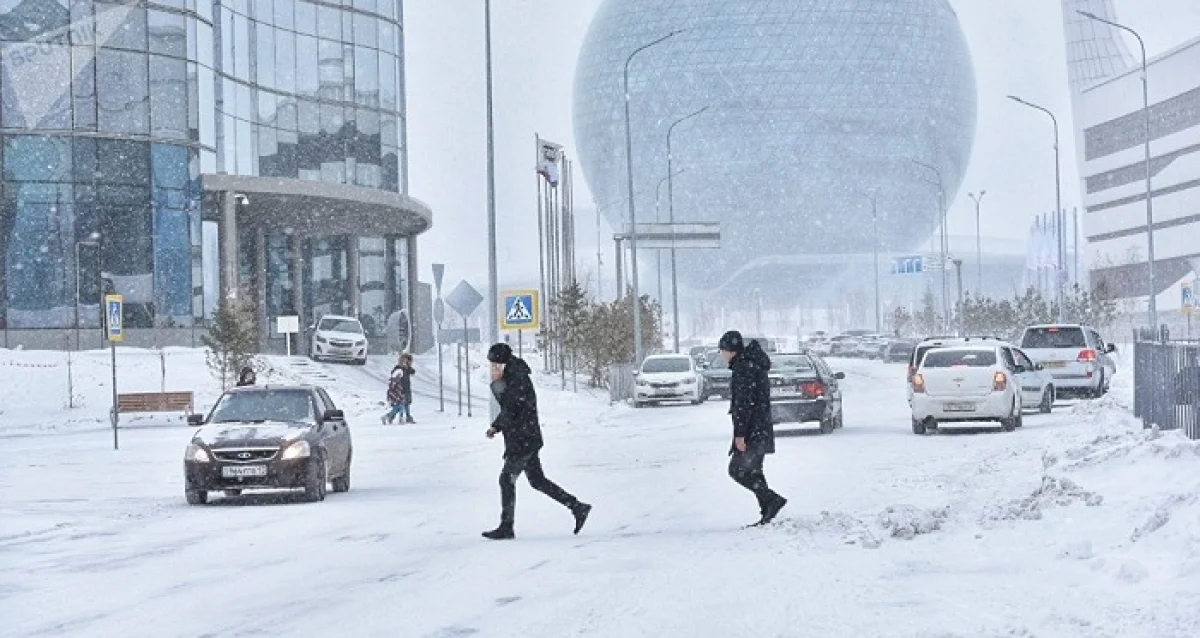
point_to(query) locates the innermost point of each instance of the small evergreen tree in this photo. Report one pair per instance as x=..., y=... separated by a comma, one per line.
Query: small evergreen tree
x=231, y=341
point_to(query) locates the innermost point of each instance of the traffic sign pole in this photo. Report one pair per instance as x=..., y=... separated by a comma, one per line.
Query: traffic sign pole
x=114, y=311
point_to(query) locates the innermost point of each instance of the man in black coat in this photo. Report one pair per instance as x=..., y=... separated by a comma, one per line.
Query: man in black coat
x=518, y=422
x=753, y=432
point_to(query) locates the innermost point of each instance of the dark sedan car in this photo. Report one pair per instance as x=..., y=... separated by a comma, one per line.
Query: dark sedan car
x=716, y=375
x=269, y=437
x=899, y=351
x=805, y=390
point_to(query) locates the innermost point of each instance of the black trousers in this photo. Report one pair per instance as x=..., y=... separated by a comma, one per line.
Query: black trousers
x=747, y=469
x=531, y=465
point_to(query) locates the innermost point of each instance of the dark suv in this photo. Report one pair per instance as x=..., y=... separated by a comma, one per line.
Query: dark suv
x=269, y=437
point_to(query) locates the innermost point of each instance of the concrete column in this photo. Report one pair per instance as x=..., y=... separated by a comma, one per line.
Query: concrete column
x=229, y=247
x=352, y=278
x=260, y=281
x=296, y=244
x=411, y=303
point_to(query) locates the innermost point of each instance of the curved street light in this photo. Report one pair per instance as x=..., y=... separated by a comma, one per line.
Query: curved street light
x=671, y=219
x=1059, y=220
x=637, y=309
x=1149, y=171
x=978, y=243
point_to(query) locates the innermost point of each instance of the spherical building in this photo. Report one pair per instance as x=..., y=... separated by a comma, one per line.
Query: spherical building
x=814, y=109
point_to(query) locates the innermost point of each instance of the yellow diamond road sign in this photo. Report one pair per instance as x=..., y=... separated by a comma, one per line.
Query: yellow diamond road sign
x=520, y=310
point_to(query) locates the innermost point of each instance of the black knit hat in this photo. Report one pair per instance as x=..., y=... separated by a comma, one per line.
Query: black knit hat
x=731, y=342
x=500, y=353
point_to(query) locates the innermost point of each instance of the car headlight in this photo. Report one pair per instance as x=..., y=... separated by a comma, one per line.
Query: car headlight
x=691, y=381
x=360, y=343
x=321, y=339
x=297, y=450
x=197, y=454
x=642, y=382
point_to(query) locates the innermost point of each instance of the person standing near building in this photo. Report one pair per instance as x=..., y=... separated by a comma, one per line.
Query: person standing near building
x=405, y=365
x=518, y=422
x=395, y=398
x=753, y=432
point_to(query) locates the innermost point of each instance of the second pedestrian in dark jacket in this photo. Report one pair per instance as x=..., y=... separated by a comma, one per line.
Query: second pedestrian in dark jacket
x=246, y=377
x=753, y=432
x=405, y=366
x=518, y=422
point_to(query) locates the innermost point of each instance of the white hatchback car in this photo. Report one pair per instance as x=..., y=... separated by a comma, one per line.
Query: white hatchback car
x=667, y=377
x=338, y=338
x=977, y=383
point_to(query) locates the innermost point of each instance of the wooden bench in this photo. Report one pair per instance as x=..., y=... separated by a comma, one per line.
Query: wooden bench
x=155, y=402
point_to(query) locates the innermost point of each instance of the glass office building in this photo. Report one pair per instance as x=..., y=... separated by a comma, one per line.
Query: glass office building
x=179, y=151
x=814, y=110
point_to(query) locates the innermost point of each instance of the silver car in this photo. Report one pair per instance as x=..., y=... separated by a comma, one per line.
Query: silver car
x=1077, y=358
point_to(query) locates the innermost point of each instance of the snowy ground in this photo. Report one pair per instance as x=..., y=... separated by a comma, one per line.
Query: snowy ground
x=1080, y=524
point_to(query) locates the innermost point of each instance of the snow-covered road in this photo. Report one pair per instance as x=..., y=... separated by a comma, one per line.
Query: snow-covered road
x=1080, y=524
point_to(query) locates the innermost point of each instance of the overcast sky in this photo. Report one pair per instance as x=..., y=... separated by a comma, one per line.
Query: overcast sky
x=1017, y=47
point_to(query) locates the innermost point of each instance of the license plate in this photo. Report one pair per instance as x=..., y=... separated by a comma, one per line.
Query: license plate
x=242, y=471
x=1055, y=364
x=783, y=392
x=960, y=407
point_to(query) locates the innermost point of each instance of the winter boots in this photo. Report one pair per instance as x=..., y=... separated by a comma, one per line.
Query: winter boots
x=502, y=533
x=771, y=510
x=505, y=532
x=581, y=511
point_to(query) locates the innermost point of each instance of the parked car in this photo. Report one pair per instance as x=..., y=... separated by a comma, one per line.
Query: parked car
x=667, y=377
x=269, y=437
x=338, y=338
x=716, y=375
x=868, y=346
x=805, y=390
x=1078, y=359
x=899, y=350
x=843, y=346
x=966, y=383
x=822, y=347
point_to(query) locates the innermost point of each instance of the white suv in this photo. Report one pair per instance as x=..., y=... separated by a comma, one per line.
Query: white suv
x=1078, y=359
x=339, y=339
x=976, y=383
x=667, y=377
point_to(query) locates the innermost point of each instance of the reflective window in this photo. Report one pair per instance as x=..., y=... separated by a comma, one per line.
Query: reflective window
x=306, y=17
x=285, y=61
x=285, y=14
x=168, y=97
x=366, y=76
x=387, y=37
x=389, y=83
x=307, y=59
x=280, y=292
x=172, y=233
x=121, y=26
x=265, y=55
x=122, y=92
x=329, y=22
x=167, y=33
x=365, y=33
x=241, y=47
x=83, y=87
x=372, y=284
x=37, y=86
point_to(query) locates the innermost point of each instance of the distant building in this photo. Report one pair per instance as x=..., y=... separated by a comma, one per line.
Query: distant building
x=1106, y=85
x=178, y=152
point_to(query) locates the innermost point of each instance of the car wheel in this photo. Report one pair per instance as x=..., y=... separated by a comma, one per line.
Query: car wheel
x=233, y=493
x=1099, y=391
x=316, y=481
x=1047, y=405
x=841, y=421
x=1010, y=424
x=196, y=497
x=827, y=425
x=638, y=405
x=918, y=426
x=342, y=483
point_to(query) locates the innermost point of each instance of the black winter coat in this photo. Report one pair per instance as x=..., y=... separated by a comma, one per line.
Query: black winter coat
x=751, y=399
x=406, y=381
x=518, y=418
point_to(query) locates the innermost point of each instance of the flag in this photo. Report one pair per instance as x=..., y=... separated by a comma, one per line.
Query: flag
x=549, y=155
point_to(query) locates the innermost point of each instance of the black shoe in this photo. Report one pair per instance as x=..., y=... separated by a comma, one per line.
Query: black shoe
x=502, y=533
x=772, y=509
x=581, y=512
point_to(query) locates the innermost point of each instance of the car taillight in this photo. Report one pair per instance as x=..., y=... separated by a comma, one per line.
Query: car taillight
x=813, y=388
x=918, y=383
x=1088, y=356
x=1000, y=382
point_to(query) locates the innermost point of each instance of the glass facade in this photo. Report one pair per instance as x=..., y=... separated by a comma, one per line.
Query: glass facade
x=812, y=106
x=111, y=113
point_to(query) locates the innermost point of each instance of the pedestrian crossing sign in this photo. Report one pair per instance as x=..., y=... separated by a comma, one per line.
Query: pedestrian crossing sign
x=113, y=311
x=520, y=310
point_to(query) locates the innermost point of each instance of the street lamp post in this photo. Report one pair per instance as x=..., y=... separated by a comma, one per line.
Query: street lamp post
x=658, y=253
x=637, y=308
x=671, y=219
x=978, y=244
x=875, y=227
x=945, y=239
x=493, y=331
x=1149, y=173
x=1060, y=273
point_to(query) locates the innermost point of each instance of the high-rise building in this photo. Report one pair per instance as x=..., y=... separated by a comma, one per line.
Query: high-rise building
x=1110, y=134
x=814, y=109
x=181, y=151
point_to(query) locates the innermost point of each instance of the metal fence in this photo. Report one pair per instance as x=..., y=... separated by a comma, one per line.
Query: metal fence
x=1166, y=384
x=620, y=382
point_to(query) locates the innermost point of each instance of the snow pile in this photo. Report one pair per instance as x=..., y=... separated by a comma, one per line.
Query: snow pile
x=1053, y=492
x=908, y=522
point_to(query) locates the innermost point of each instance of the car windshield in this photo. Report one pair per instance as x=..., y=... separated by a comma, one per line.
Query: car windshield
x=1053, y=337
x=666, y=364
x=340, y=325
x=960, y=359
x=791, y=362
x=263, y=405
x=715, y=360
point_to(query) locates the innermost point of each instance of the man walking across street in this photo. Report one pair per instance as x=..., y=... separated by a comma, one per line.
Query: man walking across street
x=518, y=422
x=753, y=432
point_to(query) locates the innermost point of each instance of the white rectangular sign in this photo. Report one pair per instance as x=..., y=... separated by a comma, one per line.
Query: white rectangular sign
x=287, y=325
